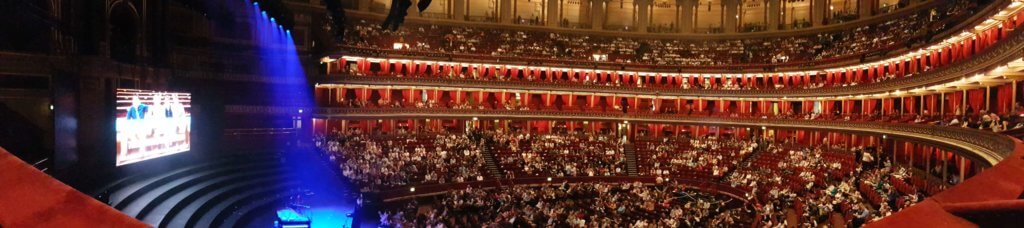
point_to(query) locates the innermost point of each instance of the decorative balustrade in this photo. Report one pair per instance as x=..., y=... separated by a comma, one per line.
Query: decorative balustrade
x=985, y=146
x=956, y=27
x=1000, y=53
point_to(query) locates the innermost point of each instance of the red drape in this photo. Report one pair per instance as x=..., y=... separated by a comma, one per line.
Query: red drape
x=976, y=98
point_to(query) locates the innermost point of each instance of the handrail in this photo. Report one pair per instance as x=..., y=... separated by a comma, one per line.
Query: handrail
x=1001, y=52
x=975, y=19
x=984, y=146
x=695, y=36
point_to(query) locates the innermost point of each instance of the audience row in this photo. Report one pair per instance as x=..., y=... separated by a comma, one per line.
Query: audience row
x=576, y=205
x=429, y=39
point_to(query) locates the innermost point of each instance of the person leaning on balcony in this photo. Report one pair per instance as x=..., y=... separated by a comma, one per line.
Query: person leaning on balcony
x=954, y=122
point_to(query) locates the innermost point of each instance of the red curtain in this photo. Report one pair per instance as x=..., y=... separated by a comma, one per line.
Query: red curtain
x=1004, y=101
x=887, y=105
x=954, y=102
x=910, y=105
x=931, y=103
x=870, y=106
x=976, y=99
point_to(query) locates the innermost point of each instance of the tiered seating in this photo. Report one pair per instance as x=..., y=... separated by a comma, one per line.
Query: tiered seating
x=929, y=187
x=870, y=194
x=157, y=201
x=890, y=188
x=806, y=177
x=432, y=39
x=698, y=159
x=583, y=204
x=215, y=216
x=376, y=162
x=194, y=195
x=560, y=155
x=814, y=185
x=902, y=186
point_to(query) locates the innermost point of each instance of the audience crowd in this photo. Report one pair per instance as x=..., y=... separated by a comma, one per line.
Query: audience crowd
x=575, y=205
x=810, y=183
x=790, y=183
x=961, y=116
x=764, y=82
x=382, y=162
x=559, y=155
x=433, y=39
x=707, y=158
x=782, y=183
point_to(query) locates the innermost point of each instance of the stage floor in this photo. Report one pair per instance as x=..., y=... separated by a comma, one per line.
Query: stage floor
x=323, y=211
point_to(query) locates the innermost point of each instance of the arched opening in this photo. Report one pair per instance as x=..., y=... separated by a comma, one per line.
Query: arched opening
x=124, y=33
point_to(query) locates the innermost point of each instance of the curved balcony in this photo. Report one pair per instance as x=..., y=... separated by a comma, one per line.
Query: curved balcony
x=985, y=146
x=757, y=33
x=956, y=206
x=1000, y=54
x=970, y=25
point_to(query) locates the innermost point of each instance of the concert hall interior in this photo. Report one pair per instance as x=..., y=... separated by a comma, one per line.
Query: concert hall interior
x=511, y=113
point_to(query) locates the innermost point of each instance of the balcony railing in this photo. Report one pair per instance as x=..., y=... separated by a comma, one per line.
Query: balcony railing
x=985, y=146
x=999, y=53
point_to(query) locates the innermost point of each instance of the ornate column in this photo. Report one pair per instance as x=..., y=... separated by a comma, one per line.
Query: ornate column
x=686, y=15
x=584, y=12
x=866, y=8
x=552, y=13
x=819, y=8
x=597, y=13
x=731, y=22
x=643, y=8
x=505, y=9
x=459, y=10
x=774, y=14
x=988, y=98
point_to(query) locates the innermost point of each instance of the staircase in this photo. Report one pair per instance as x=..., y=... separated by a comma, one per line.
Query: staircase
x=745, y=162
x=631, y=167
x=492, y=163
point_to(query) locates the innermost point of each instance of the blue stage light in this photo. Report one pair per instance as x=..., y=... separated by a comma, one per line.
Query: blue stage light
x=278, y=48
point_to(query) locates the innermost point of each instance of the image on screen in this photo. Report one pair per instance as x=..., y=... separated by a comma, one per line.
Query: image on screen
x=152, y=124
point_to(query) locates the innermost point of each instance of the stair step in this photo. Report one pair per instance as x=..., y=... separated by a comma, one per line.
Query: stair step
x=631, y=161
x=492, y=164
